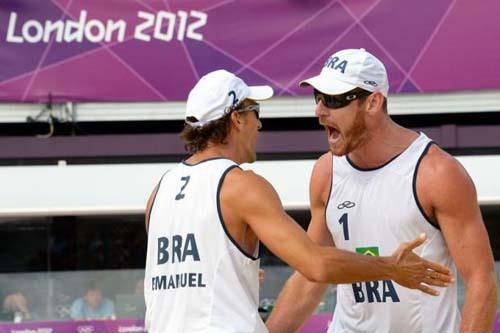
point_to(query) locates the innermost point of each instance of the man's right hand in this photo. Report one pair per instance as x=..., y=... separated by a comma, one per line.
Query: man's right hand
x=414, y=272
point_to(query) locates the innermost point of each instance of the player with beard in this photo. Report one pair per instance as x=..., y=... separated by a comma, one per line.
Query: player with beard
x=207, y=216
x=380, y=184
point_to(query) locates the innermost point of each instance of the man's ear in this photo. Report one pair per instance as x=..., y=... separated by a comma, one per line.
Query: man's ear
x=236, y=119
x=374, y=102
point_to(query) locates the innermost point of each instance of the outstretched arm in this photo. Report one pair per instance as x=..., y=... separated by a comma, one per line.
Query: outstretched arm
x=255, y=201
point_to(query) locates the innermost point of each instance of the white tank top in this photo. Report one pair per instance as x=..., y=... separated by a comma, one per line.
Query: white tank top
x=371, y=211
x=197, y=279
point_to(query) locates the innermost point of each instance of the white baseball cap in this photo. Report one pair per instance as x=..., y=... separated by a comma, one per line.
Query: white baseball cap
x=217, y=93
x=349, y=69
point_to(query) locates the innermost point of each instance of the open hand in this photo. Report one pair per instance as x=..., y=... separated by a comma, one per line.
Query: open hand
x=415, y=272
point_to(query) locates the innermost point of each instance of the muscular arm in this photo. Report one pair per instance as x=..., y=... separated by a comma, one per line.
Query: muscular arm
x=300, y=297
x=258, y=205
x=445, y=184
x=249, y=199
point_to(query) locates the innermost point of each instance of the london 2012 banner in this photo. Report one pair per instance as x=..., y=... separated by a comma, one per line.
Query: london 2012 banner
x=155, y=50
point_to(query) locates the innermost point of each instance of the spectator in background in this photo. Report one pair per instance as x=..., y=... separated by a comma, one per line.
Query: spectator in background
x=93, y=305
x=15, y=307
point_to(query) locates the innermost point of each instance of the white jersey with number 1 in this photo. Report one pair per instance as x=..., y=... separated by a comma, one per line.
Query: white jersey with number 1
x=371, y=211
x=198, y=280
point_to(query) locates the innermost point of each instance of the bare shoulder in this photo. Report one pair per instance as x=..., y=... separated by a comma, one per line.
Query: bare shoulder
x=442, y=178
x=323, y=165
x=440, y=167
x=246, y=185
x=240, y=179
x=321, y=177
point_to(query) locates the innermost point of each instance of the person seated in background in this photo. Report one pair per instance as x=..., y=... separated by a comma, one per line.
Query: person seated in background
x=15, y=308
x=93, y=305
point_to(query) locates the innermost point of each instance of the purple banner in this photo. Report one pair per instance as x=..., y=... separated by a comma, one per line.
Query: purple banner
x=496, y=327
x=316, y=324
x=102, y=326
x=319, y=323
x=155, y=50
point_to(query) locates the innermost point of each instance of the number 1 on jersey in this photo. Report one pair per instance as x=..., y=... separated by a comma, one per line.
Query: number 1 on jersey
x=181, y=195
x=343, y=222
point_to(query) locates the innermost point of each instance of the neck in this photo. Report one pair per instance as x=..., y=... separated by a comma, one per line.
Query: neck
x=215, y=151
x=383, y=142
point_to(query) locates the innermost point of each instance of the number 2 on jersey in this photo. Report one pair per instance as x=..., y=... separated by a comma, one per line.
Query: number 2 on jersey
x=343, y=222
x=181, y=195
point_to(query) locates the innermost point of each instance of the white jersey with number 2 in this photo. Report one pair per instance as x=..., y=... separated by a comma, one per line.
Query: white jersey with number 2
x=197, y=280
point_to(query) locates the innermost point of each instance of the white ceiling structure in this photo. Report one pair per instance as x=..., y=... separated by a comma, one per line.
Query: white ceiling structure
x=281, y=107
x=124, y=188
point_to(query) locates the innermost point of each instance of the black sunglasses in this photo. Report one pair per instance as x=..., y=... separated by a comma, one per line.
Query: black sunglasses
x=339, y=101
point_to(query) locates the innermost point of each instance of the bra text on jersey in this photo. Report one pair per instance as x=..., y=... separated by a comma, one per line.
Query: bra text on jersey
x=178, y=249
x=375, y=291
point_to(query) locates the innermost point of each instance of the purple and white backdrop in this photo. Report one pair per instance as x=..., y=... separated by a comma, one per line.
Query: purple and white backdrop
x=155, y=50
x=316, y=324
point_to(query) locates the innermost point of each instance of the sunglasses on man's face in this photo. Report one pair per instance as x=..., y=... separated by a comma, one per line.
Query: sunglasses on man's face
x=252, y=107
x=339, y=101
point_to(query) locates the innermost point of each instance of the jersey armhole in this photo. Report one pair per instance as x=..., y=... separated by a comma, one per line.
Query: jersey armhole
x=414, y=186
x=327, y=202
x=154, y=200
x=221, y=218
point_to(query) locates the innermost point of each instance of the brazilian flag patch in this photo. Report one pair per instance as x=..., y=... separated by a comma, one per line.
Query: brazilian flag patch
x=370, y=251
